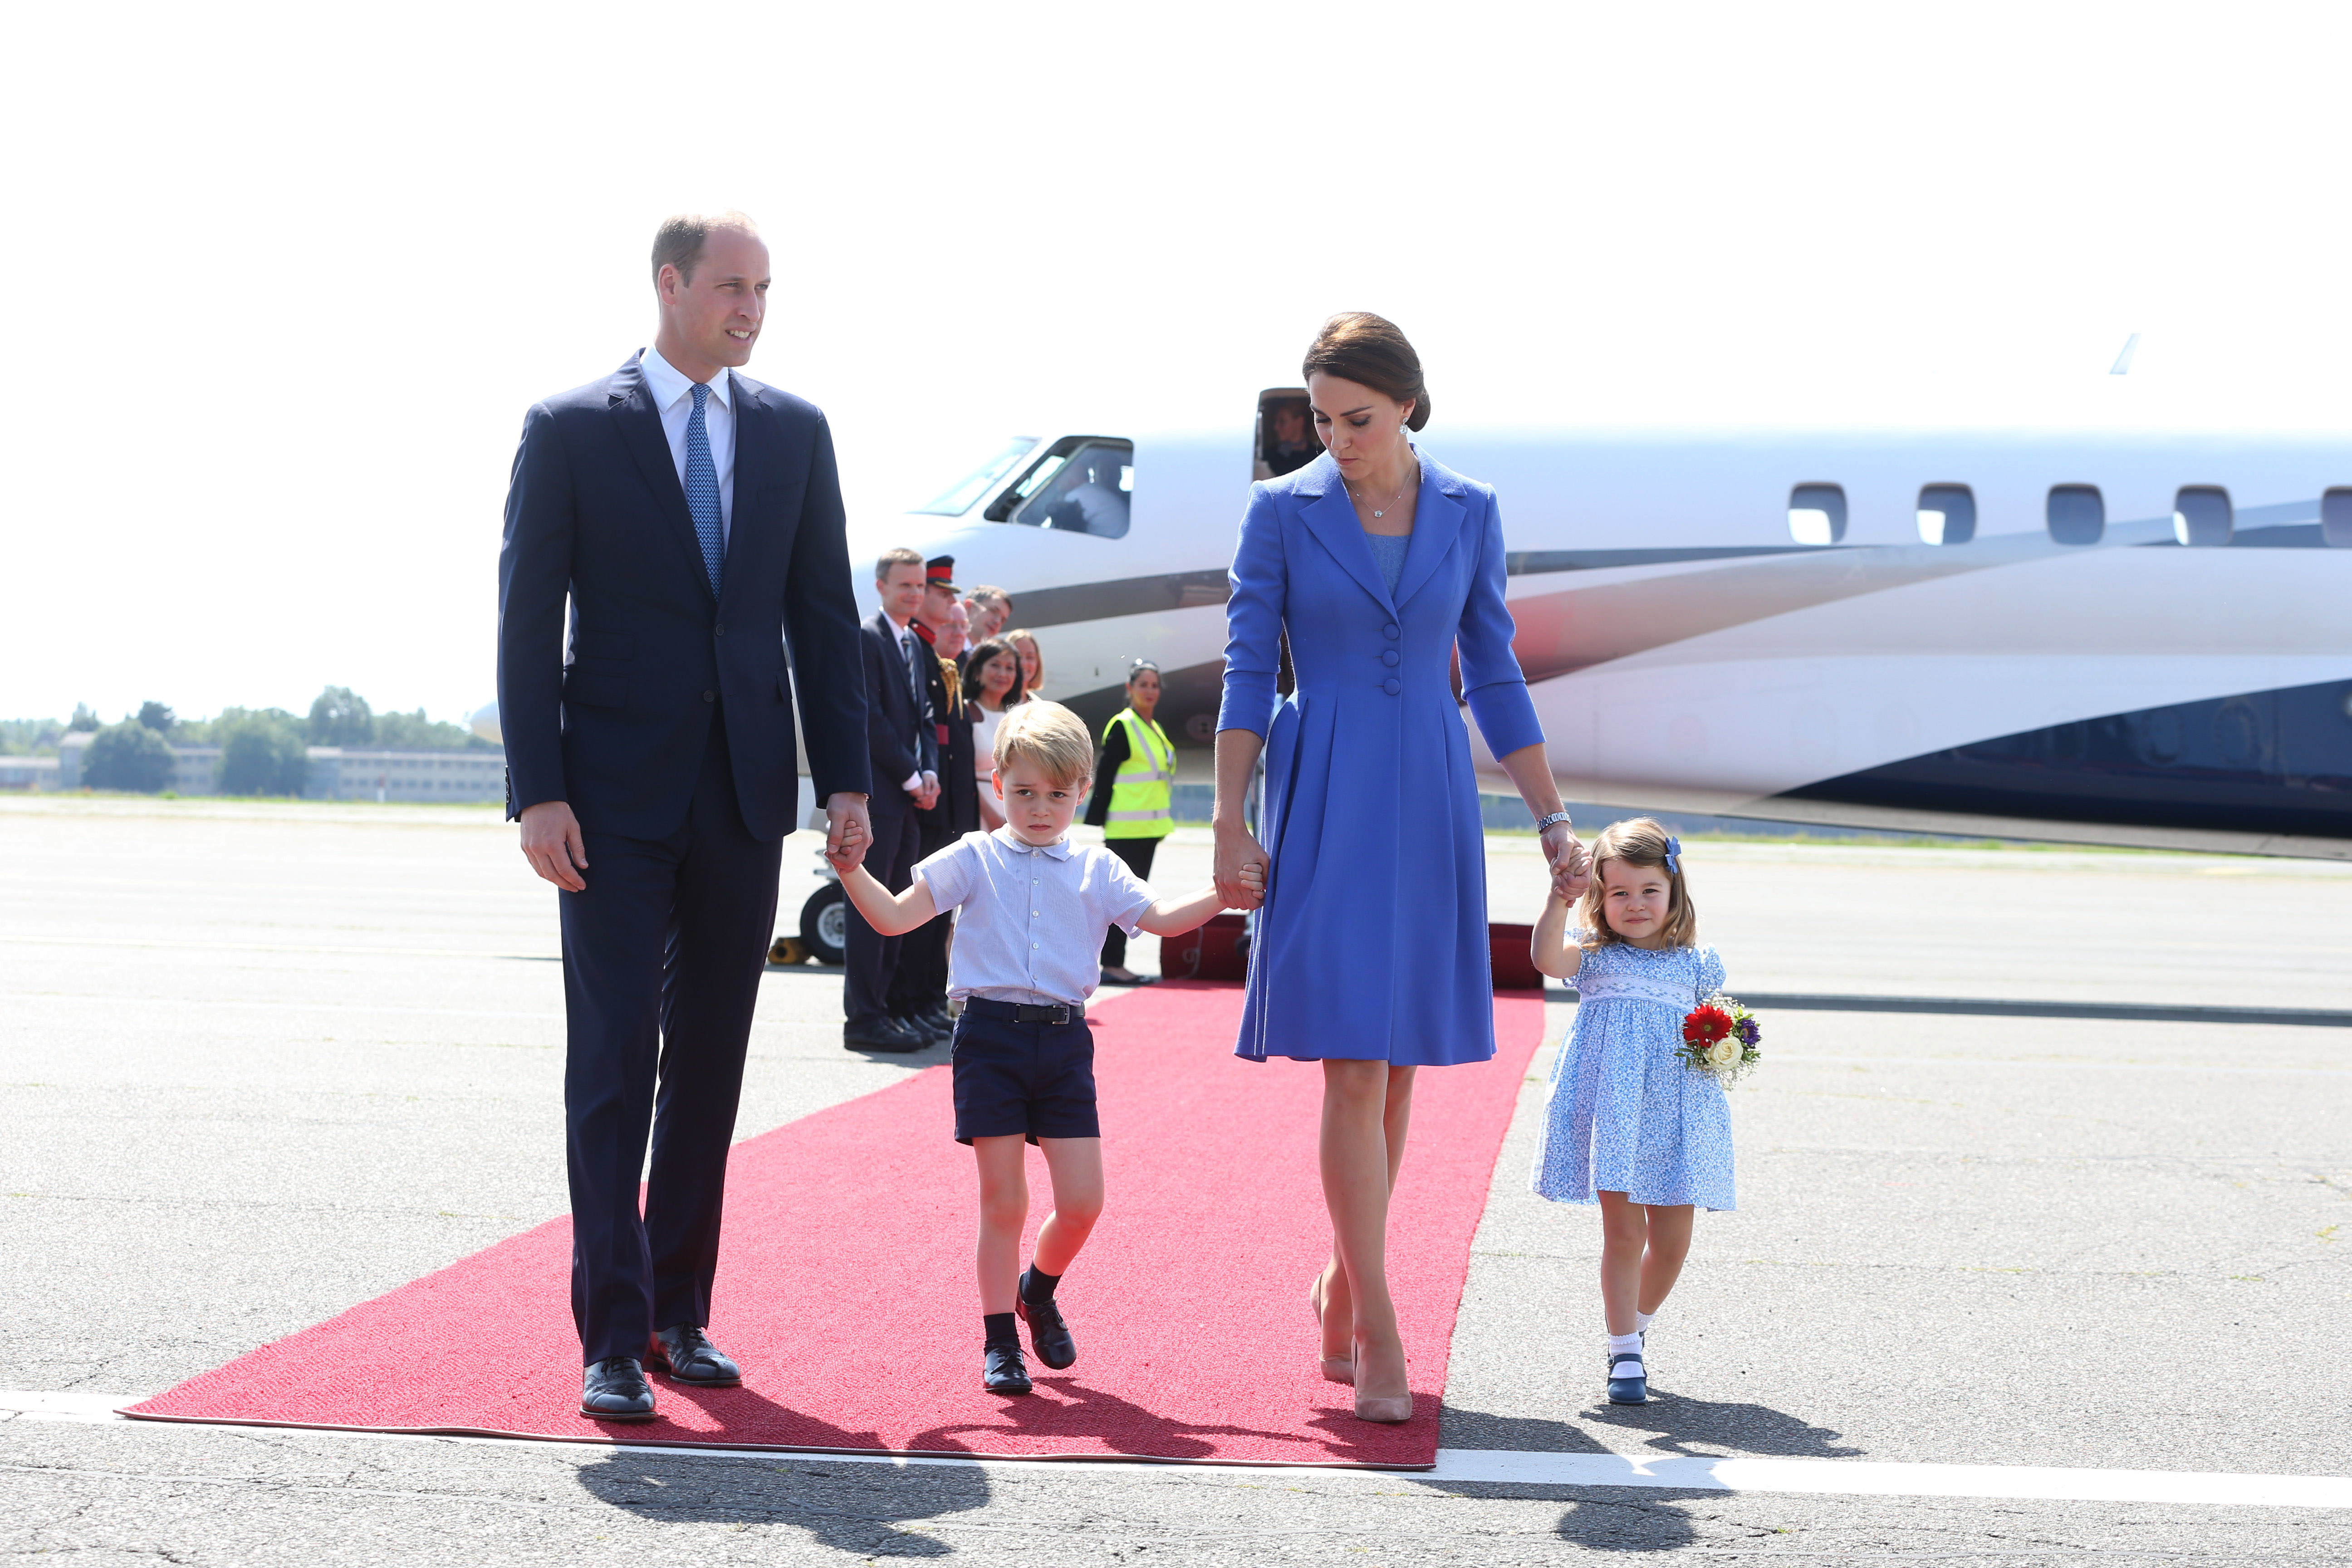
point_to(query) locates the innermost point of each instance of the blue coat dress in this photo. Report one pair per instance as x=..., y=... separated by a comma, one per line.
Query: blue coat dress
x=1372, y=943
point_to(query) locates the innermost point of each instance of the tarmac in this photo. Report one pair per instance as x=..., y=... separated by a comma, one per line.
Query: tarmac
x=2001, y=1285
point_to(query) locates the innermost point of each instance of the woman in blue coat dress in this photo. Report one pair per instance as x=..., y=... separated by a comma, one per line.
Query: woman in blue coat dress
x=1370, y=953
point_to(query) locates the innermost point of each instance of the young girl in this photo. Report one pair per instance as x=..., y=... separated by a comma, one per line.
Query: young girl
x=1629, y=1124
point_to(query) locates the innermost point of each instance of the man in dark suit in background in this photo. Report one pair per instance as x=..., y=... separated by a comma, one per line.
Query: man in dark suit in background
x=918, y=991
x=692, y=519
x=903, y=758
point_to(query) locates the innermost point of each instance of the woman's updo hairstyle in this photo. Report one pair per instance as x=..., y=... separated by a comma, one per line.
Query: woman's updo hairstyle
x=1358, y=346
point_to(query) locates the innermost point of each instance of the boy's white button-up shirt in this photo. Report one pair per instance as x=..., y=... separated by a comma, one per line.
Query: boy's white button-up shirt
x=1030, y=919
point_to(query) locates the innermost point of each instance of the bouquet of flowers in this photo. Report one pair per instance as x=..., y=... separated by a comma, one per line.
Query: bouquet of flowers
x=1719, y=1038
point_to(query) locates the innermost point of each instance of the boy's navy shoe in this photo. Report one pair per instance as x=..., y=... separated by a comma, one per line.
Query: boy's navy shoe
x=1629, y=1380
x=1002, y=1371
x=1047, y=1332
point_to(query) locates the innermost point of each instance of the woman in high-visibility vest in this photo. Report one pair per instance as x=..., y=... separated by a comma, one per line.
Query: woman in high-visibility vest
x=1131, y=803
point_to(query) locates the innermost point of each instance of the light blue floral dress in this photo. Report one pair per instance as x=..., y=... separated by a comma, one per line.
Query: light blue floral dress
x=1624, y=1114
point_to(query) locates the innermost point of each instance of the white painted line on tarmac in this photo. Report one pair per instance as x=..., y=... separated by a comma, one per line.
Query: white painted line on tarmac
x=1481, y=1467
x=2111, y=1065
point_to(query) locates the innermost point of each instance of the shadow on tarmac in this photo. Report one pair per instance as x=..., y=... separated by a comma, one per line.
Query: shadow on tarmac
x=849, y=1506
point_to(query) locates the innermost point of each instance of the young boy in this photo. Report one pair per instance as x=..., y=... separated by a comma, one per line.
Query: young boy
x=1035, y=908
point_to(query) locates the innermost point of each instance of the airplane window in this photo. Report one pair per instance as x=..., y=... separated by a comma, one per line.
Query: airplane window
x=2202, y=515
x=1948, y=514
x=1086, y=489
x=957, y=500
x=1817, y=514
x=2336, y=517
x=2076, y=514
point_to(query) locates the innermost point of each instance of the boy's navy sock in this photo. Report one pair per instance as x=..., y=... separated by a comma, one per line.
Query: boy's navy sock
x=1037, y=1285
x=998, y=1330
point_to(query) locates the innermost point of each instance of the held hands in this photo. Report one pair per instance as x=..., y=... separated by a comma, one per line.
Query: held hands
x=1571, y=866
x=1240, y=869
x=552, y=843
x=848, y=833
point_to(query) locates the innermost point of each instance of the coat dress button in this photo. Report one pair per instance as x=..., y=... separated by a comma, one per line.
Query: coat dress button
x=1389, y=631
x=1390, y=658
x=1392, y=686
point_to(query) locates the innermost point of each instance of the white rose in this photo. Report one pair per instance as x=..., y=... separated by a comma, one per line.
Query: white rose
x=1724, y=1052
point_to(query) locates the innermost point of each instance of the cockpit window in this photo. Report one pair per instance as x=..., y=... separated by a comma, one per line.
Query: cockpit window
x=1085, y=484
x=958, y=499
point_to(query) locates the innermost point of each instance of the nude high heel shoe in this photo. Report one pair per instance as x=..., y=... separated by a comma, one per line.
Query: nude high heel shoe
x=1387, y=1409
x=1334, y=1368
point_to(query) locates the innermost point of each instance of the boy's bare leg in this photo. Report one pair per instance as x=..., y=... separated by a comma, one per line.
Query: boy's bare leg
x=1076, y=1166
x=1339, y=1305
x=1003, y=1211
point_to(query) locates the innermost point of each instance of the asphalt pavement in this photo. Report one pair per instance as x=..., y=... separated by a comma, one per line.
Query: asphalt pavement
x=261, y=1062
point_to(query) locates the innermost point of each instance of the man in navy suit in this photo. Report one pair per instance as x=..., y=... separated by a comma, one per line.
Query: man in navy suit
x=692, y=517
x=903, y=757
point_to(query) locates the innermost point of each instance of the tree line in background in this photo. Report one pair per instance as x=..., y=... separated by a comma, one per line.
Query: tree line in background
x=264, y=751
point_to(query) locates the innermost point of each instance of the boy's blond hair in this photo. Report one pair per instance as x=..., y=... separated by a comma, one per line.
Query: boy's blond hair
x=1637, y=841
x=1049, y=735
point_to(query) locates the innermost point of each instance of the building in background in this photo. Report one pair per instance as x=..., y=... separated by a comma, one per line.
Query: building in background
x=336, y=772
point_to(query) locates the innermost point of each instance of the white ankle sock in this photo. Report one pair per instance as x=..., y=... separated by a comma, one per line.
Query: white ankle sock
x=1624, y=1346
x=1641, y=1322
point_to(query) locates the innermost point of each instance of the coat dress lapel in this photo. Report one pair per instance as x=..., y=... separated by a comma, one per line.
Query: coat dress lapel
x=632, y=410
x=1330, y=516
x=1437, y=515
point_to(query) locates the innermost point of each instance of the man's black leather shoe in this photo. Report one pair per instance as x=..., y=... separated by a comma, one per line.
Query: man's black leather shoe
x=1047, y=1331
x=615, y=1389
x=687, y=1354
x=921, y=1027
x=1001, y=1370
x=936, y=1015
x=882, y=1035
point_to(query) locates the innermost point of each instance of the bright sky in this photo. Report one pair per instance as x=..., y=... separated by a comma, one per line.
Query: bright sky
x=282, y=281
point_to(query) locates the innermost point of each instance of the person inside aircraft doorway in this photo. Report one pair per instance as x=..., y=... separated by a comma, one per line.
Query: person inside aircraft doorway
x=1131, y=798
x=1290, y=447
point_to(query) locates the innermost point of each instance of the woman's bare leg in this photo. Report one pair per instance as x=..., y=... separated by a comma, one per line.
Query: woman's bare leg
x=1662, y=1264
x=1339, y=1305
x=1624, y=1234
x=1358, y=1170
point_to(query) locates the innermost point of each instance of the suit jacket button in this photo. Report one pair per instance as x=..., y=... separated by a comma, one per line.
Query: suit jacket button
x=1389, y=631
x=1392, y=686
x=719, y=630
x=713, y=696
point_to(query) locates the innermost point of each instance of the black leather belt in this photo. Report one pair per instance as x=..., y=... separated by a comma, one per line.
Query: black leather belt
x=1018, y=1012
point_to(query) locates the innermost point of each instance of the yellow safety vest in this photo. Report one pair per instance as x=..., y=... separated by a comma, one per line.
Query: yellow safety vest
x=1139, y=790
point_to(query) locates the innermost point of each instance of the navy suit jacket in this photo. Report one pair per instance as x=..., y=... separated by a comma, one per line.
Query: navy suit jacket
x=615, y=716
x=899, y=739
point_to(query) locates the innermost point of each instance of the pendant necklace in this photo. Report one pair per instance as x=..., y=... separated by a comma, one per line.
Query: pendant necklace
x=1383, y=511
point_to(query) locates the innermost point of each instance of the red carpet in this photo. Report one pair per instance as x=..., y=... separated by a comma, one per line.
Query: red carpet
x=1188, y=1304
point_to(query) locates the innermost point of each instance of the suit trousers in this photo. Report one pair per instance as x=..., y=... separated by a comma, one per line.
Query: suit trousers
x=871, y=959
x=1137, y=853
x=662, y=958
x=922, y=979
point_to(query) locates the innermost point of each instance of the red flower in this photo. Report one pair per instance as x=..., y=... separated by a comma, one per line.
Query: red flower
x=1705, y=1025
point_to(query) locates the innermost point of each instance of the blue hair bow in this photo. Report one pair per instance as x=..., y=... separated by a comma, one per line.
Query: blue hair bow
x=1673, y=855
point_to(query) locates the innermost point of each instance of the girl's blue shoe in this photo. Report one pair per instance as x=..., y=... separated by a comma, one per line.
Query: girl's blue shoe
x=1629, y=1380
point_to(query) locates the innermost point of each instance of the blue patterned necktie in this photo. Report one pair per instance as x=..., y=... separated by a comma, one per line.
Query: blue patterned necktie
x=702, y=488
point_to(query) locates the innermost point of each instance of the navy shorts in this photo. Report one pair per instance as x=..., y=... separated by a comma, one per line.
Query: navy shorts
x=1035, y=1078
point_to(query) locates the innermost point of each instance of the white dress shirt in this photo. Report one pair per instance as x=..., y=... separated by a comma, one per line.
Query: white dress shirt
x=673, y=394
x=1029, y=919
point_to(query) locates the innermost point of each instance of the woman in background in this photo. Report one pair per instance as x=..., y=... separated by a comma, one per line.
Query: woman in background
x=1032, y=663
x=1131, y=798
x=992, y=678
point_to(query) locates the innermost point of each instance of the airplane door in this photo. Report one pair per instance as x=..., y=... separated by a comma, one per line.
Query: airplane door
x=1285, y=438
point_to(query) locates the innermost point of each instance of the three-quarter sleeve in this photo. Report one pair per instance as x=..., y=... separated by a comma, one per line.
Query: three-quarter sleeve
x=1492, y=681
x=1260, y=579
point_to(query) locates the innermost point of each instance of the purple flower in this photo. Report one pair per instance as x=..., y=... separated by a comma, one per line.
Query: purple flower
x=1748, y=1032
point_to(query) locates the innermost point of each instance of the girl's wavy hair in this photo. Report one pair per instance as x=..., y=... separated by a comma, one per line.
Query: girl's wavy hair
x=1637, y=841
